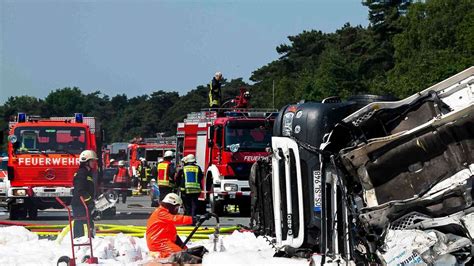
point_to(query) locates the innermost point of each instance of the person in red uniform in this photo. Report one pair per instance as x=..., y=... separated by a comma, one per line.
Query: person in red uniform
x=122, y=179
x=161, y=235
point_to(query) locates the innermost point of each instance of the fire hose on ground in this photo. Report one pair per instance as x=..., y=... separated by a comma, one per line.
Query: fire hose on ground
x=114, y=229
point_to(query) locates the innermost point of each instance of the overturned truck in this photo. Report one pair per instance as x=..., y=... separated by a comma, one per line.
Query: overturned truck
x=371, y=180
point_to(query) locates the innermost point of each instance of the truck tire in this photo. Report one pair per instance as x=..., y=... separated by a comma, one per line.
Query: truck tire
x=32, y=212
x=244, y=209
x=217, y=207
x=17, y=212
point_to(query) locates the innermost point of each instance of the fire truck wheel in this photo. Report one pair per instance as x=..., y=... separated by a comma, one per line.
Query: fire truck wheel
x=244, y=209
x=217, y=207
x=32, y=212
x=17, y=212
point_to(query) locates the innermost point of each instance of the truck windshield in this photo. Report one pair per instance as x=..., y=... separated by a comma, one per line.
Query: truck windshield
x=251, y=136
x=3, y=163
x=50, y=140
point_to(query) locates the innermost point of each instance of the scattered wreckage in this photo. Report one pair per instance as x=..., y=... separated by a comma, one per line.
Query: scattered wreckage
x=370, y=180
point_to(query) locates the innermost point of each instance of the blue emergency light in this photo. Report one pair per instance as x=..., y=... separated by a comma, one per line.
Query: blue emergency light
x=234, y=114
x=21, y=117
x=79, y=117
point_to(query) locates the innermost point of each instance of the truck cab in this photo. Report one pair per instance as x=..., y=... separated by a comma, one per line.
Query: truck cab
x=43, y=157
x=226, y=144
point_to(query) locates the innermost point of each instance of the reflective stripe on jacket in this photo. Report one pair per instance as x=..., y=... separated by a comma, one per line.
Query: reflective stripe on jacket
x=161, y=231
x=191, y=179
x=163, y=178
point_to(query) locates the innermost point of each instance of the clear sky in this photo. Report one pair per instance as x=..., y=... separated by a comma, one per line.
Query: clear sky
x=140, y=46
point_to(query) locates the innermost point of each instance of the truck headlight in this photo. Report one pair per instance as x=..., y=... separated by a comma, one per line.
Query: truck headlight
x=287, y=124
x=19, y=192
x=230, y=187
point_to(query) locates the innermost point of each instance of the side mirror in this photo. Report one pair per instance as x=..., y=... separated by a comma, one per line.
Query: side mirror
x=211, y=132
x=1, y=138
x=103, y=135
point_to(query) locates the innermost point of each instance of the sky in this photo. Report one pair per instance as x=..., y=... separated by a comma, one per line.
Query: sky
x=136, y=47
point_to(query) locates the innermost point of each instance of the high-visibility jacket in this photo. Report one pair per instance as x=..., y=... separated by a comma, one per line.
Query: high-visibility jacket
x=147, y=174
x=191, y=179
x=214, y=93
x=121, y=176
x=161, y=231
x=163, y=174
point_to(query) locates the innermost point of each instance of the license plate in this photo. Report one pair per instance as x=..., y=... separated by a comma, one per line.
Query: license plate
x=232, y=196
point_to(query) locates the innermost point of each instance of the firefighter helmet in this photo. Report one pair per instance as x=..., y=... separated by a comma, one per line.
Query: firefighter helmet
x=218, y=75
x=87, y=155
x=111, y=161
x=168, y=154
x=172, y=199
x=121, y=163
x=190, y=158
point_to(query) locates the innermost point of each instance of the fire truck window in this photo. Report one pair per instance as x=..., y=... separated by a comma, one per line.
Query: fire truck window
x=29, y=141
x=250, y=136
x=51, y=140
x=219, y=136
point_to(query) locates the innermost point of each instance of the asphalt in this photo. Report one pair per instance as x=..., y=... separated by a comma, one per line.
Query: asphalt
x=136, y=211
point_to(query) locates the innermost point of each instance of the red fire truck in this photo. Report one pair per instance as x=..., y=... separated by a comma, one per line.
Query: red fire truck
x=151, y=149
x=116, y=151
x=43, y=157
x=226, y=143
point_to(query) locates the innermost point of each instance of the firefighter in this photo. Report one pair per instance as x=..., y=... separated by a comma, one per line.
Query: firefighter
x=166, y=172
x=154, y=193
x=215, y=91
x=84, y=187
x=111, y=163
x=161, y=236
x=144, y=171
x=122, y=179
x=189, y=181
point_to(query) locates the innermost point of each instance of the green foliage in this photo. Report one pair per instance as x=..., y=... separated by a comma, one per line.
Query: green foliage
x=406, y=48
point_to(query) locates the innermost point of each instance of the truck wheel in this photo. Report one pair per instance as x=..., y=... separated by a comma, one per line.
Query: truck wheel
x=217, y=207
x=17, y=212
x=244, y=209
x=32, y=212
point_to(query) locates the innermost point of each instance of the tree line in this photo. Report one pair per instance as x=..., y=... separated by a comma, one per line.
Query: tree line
x=406, y=47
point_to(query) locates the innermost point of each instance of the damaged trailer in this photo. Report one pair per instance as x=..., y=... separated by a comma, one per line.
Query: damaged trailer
x=387, y=182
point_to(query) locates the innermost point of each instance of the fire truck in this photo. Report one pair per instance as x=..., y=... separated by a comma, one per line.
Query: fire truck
x=43, y=157
x=116, y=151
x=226, y=142
x=4, y=184
x=151, y=149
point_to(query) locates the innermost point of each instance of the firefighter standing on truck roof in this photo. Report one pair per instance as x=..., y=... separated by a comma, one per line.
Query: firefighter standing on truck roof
x=84, y=187
x=189, y=180
x=161, y=236
x=166, y=172
x=215, y=91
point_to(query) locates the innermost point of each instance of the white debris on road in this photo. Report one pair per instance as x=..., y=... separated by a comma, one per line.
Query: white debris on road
x=18, y=246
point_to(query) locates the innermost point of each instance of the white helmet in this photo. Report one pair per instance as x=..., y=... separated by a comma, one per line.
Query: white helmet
x=142, y=159
x=112, y=160
x=190, y=158
x=218, y=75
x=87, y=155
x=173, y=199
x=152, y=180
x=168, y=154
x=121, y=163
x=184, y=159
